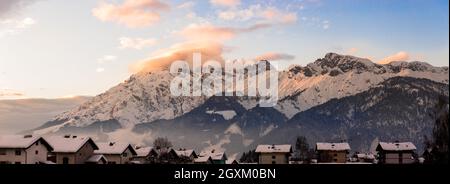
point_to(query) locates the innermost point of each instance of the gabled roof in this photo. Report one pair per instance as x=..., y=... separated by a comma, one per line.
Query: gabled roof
x=324, y=146
x=69, y=144
x=144, y=152
x=215, y=155
x=114, y=148
x=203, y=159
x=274, y=149
x=96, y=159
x=21, y=142
x=396, y=146
x=186, y=153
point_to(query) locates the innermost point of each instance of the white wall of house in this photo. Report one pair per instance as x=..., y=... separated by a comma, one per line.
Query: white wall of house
x=34, y=154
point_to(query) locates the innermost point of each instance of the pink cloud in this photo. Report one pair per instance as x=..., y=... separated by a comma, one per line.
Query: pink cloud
x=132, y=13
x=267, y=14
x=400, y=56
x=208, y=32
x=227, y=3
x=274, y=56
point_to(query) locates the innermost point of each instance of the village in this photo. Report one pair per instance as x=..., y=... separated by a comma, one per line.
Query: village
x=73, y=149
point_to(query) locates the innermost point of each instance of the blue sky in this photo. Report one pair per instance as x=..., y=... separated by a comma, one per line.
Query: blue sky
x=54, y=49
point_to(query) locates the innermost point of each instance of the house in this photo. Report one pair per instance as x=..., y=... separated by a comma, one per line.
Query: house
x=116, y=152
x=232, y=162
x=145, y=155
x=97, y=159
x=166, y=156
x=396, y=152
x=332, y=152
x=18, y=149
x=203, y=160
x=216, y=156
x=70, y=149
x=273, y=154
x=186, y=156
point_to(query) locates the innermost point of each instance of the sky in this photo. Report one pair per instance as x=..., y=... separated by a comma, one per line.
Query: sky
x=60, y=49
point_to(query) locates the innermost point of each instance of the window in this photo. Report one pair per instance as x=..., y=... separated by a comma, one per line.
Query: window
x=274, y=157
x=65, y=160
x=36, y=152
x=17, y=163
x=37, y=143
x=124, y=154
x=335, y=160
x=18, y=152
x=2, y=152
x=273, y=162
x=335, y=154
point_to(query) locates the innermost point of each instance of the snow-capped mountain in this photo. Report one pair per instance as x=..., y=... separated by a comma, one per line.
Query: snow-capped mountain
x=143, y=105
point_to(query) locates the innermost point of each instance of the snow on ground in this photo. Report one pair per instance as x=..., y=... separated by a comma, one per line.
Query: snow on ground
x=227, y=115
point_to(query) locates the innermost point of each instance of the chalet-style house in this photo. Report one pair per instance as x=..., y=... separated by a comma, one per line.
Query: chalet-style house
x=18, y=149
x=274, y=154
x=216, y=156
x=71, y=149
x=203, y=160
x=186, y=156
x=396, y=152
x=332, y=152
x=145, y=155
x=116, y=152
x=97, y=159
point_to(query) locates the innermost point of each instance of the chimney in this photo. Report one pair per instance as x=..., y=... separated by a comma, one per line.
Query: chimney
x=112, y=143
x=27, y=136
x=67, y=136
x=74, y=136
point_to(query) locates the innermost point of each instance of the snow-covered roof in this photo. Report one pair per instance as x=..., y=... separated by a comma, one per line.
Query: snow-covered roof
x=113, y=148
x=68, y=144
x=333, y=146
x=185, y=153
x=215, y=155
x=274, y=149
x=202, y=159
x=17, y=141
x=397, y=146
x=143, y=152
x=96, y=158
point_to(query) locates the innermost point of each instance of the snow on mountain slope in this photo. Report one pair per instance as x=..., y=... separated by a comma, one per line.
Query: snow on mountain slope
x=337, y=76
x=145, y=97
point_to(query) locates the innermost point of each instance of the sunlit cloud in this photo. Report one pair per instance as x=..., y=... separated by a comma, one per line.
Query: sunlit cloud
x=162, y=59
x=400, y=56
x=186, y=5
x=135, y=43
x=274, y=56
x=226, y=3
x=207, y=32
x=132, y=13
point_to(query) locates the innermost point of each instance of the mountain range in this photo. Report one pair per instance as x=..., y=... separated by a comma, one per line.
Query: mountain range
x=335, y=98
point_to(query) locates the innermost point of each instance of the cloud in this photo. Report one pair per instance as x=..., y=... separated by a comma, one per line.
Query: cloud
x=135, y=43
x=268, y=14
x=10, y=94
x=400, y=56
x=100, y=70
x=182, y=51
x=12, y=6
x=132, y=13
x=226, y=3
x=325, y=24
x=106, y=59
x=186, y=5
x=208, y=32
x=352, y=51
x=274, y=56
x=13, y=27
